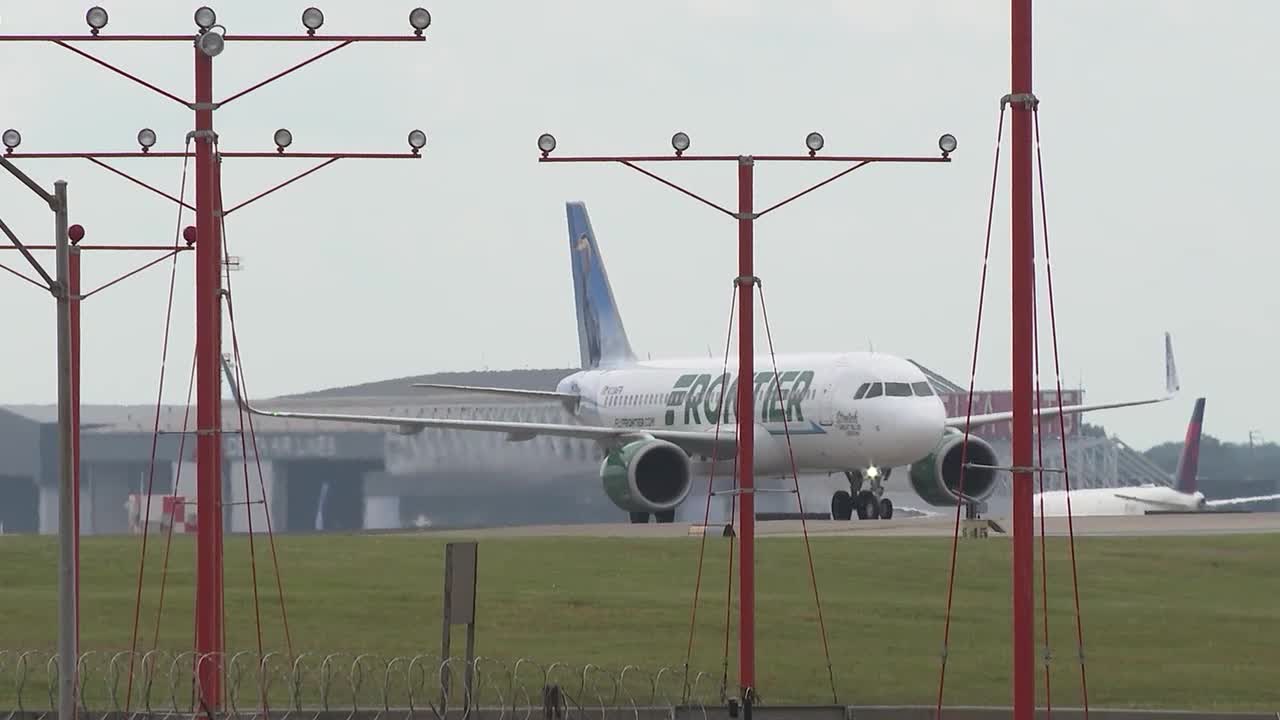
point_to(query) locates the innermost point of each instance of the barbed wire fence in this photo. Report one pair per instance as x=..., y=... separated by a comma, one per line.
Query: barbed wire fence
x=349, y=686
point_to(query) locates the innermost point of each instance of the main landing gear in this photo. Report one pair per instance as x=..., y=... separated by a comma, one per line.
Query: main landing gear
x=642, y=518
x=868, y=504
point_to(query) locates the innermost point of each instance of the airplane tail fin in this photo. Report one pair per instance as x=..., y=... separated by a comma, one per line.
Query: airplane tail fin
x=602, y=341
x=1171, y=383
x=1189, y=458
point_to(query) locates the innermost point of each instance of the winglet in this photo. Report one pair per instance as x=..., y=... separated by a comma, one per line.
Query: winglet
x=1171, y=384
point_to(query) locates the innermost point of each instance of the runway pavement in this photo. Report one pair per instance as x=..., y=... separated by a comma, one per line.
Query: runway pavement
x=935, y=526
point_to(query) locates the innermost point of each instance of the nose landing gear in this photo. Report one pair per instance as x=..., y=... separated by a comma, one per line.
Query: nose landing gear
x=869, y=504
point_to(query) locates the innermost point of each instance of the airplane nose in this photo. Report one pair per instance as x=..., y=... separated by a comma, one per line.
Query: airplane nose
x=927, y=426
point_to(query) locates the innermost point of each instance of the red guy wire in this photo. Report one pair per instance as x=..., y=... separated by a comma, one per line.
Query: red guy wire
x=253, y=436
x=155, y=438
x=1057, y=370
x=795, y=476
x=711, y=478
x=1044, y=537
x=177, y=479
x=964, y=447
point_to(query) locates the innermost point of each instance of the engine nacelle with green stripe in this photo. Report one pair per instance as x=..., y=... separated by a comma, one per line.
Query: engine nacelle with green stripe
x=647, y=476
x=936, y=478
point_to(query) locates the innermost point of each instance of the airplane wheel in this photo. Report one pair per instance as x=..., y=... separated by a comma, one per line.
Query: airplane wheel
x=886, y=509
x=666, y=516
x=866, y=505
x=841, y=505
x=639, y=518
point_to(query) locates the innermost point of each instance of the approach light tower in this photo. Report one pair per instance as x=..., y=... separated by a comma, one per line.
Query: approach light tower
x=745, y=282
x=209, y=41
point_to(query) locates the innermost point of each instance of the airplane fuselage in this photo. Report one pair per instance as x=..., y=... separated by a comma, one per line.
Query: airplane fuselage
x=1118, y=501
x=815, y=399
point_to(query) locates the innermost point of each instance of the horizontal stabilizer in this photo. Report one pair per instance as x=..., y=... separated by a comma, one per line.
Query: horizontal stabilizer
x=1243, y=500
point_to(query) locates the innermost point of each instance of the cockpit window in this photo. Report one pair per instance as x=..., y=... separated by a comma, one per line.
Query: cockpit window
x=897, y=389
x=861, y=391
x=922, y=388
x=876, y=390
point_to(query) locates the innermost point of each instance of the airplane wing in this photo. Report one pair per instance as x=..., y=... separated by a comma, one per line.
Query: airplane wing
x=1171, y=389
x=507, y=392
x=1148, y=501
x=1241, y=500
x=690, y=441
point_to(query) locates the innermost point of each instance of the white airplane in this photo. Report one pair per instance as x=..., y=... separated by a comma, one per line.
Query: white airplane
x=1140, y=499
x=656, y=421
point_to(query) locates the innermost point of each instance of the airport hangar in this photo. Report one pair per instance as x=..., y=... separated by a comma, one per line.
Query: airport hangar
x=339, y=476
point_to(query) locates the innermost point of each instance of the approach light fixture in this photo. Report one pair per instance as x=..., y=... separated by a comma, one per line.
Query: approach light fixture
x=814, y=142
x=417, y=140
x=211, y=43
x=12, y=139
x=947, y=144
x=97, y=19
x=146, y=138
x=312, y=19
x=680, y=141
x=546, y=143
x=205, y=17
x=75, y=233
x=283, y=139
x=420, y=20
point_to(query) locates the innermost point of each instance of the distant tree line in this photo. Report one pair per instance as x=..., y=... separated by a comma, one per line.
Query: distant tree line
x=1228, y=469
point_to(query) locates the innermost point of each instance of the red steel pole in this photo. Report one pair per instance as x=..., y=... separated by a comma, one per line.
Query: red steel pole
x=73, y=290
x=1023, y=281
x=746, y=428
x=208, y=399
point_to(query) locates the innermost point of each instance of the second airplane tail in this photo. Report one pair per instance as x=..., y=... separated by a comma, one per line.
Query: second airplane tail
x=602, y=341
x=1189, y=459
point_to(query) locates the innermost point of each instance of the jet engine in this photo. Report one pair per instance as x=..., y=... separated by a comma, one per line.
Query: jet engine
x=936, y=478
x=647, y=476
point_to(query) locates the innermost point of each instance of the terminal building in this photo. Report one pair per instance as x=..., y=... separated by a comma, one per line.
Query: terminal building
x=323, y=476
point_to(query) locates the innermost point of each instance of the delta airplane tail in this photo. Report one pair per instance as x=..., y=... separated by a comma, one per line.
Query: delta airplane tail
x=1189, y=459
x=602, y=340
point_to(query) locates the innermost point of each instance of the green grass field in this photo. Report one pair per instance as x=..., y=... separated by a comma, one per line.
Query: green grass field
x=1170, y=622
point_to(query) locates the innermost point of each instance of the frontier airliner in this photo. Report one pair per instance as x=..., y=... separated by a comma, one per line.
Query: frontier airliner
x=655, y=421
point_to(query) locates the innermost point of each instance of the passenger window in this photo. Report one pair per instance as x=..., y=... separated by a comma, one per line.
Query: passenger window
x=861, y=391
x=922, y=388
x=876, y=391
x=897, y=389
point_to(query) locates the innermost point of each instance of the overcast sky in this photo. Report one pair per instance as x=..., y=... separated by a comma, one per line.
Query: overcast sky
x=1158, y=137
